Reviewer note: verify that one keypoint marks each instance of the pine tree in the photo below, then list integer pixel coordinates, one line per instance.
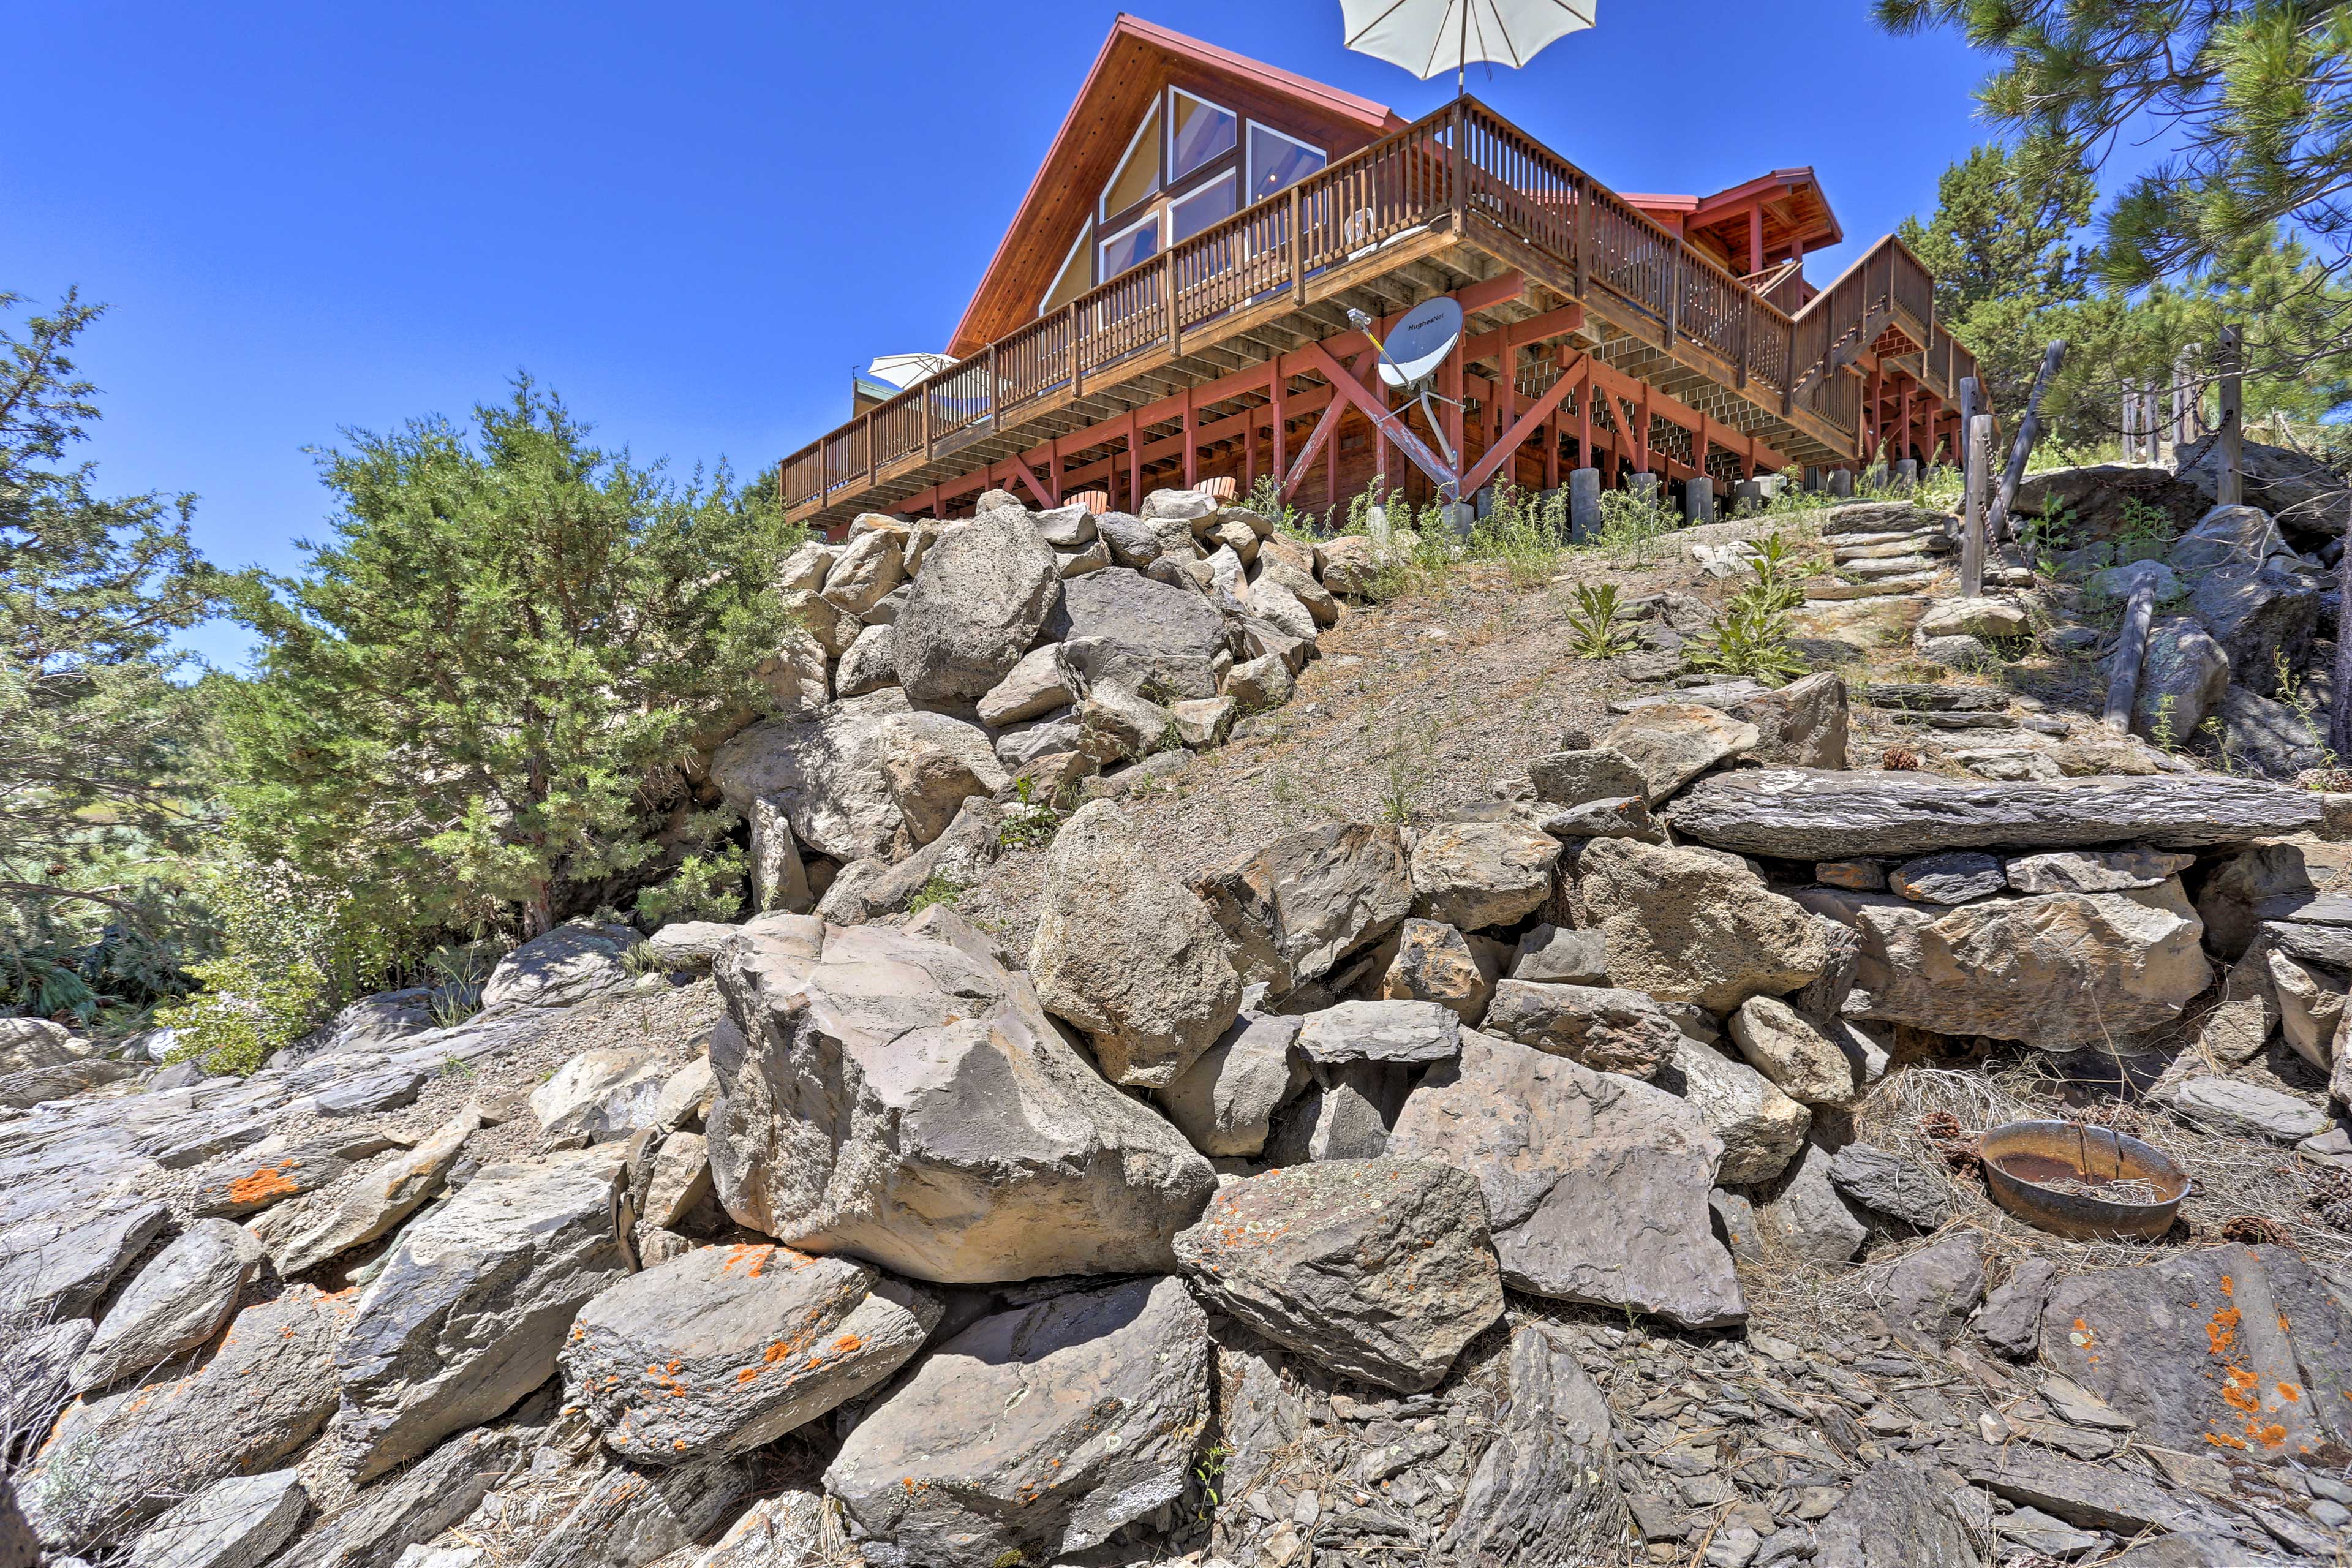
(474, 700)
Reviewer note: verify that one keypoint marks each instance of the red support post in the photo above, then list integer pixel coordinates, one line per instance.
(1191, 447)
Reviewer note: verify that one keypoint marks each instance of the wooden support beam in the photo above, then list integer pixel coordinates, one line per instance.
(1511, 439)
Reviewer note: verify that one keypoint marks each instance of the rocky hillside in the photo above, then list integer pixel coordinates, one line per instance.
(1256, 1052)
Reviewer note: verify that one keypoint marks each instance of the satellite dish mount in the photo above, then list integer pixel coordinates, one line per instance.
(1416, 350)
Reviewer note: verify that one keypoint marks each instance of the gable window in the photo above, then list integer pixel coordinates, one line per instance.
(1074, 279)
(1139, 172)
(1277, 162)
(1198, 131)
(1212, 202)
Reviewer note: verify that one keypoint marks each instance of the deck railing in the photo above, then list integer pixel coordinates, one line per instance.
(1350, 209)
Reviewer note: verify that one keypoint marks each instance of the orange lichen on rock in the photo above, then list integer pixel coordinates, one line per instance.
(264, 1184)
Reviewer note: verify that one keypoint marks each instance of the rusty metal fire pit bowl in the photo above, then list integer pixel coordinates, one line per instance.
(2086, 1183)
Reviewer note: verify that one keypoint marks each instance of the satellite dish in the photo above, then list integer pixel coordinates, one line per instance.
(1420, 342)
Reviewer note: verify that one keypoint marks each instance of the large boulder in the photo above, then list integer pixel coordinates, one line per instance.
(2239, 1350)
(1545, 1492)
(1810, 815)
(566, 965)
(2182, 674)
(1798, 1055)
(1607, 1028)
(114, 1462)
(2263, 616)
(2299, 490)
(58, 1265)
(1596, 1185)
(727, 1347)
(29, 1043)
(1689, 926)
(2055, 970)
(1589, 774)
(1435, 963)
(976, 606)
(238, 1522)
(1224, 1102)
(1807, 1217)
(2268, 737)
(2227, 536)
(1898, 1511)
(1293, 909)
(906, 1100)
(836, 777)
(1033, 1434)
(1672, 743)
(1397, 1034)
(1377, 1269)
(473, 1303)
(1761, 1128)
(1122, 628)
(2106, 498)
(1031, 690)
(1127, 954)
(868, 567)
(1473, 874)
(599, 1093)
(175, 1304)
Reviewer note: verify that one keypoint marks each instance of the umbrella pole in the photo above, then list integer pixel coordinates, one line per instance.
(1462, 57)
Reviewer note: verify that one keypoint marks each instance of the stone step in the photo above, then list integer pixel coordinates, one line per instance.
(1831, 588)
(1889, 566)
(1908, 544)
(1923, 696)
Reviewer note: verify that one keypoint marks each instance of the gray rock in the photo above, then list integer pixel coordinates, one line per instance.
(1672, 743)
(1735, 1222)
(1888, 1184)
(1127, 954)
(1574, 778)
(906, 1100)
(1544, 1493)
(2298, 490)
(1926, 1297)
(2208, 1350)
(1224, 1102)
(2094, 871)
(983, 593)
(1026, 741)
(2011, 1320)
(1122, 628)
(1808, 814)
(1954, 877)
(1761, 1129)
(870, 565)
(725, 1348)
(58, 1267)
(239, 1521)
(1551, 955)
(473, 1303)
(778, 878)
(688, 945)
(1896, 1513)
(29, 1043)
(1032, 688)
(1259, 683)
(1344, 1115)
(1376, 1269)
(117, 1461)
(1410, 1032)
(2098, 1496)
(567, 965)
(2119, 582)
(325, 1223)
(36, 1372)
(1597, 1185)
(1624, 817)
(1687, 926)
(824, 775)
(2183, 673)
(1293, 909)
(1035, 1433)
(1807, 1217)
(871, 663)
(1606, 1028)
(632, 1516)
(2269, 737)
(1132, 540)
(1798, 1055)
(600, 1094)
(2058, 970)
(2039, 1532)
(2260, 616)
(2227, 536)
(382, 1521)
(787, 1529)
(1064, 526)
(184, 1296)
(1473, 874)
(1435, 963)
(2235, 1108)
(933, 763)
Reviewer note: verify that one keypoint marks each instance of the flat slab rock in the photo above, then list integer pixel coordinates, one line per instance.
(1596, 1185)
(1035, 1433)
(726, 1348)
(1802, 814)
(1377, 1269)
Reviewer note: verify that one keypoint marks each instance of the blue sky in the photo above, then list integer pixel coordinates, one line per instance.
(692, 219)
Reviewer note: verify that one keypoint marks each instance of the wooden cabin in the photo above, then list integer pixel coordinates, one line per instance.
(1173, 302)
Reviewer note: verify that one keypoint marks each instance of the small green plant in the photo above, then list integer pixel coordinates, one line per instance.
(1407, 768)
(2297, 698)
(1029, 823)
(1594, 629)
(1631, 526)
(937, 891)
(1750, 637)
(457, 1067)
(2159, 733)
(1779, 572)
(1209, 1471)
(637, 959)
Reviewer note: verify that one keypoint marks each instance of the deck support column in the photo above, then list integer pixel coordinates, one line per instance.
(1134, 463)
(1583, 504)
(1281, 426)
(1191, 446)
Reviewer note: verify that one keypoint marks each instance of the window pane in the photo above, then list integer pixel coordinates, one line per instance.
(1277, 161)
(1073, 281)
(1138, 244)
(1139, 175)
(1204, 207)
(1202, 131)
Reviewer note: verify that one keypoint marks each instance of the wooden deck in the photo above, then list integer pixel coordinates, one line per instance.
(1587, 319)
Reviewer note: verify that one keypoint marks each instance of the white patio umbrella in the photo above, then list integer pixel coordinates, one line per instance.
(903, 371)
(1424, 36)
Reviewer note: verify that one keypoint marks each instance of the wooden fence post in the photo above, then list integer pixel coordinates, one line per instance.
(1298, 252)
(1979, 484)
(2229, 486)
(2028, 431)
(2131, 647)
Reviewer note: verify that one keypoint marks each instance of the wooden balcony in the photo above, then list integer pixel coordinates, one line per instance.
(1455, 200)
